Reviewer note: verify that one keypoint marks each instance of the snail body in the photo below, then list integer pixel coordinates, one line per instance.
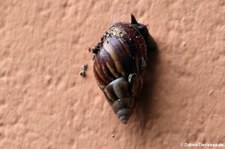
(120, 59)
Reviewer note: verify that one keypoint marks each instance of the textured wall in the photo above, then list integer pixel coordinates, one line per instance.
(45, 104)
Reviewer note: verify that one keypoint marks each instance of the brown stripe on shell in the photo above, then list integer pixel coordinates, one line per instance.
(105, 58)
(112, 69)
(123, 55)
(111, 51)
(99, 70)
(101, 84)
(106, 72)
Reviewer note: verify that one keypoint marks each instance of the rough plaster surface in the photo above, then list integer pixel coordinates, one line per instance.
(45, 104)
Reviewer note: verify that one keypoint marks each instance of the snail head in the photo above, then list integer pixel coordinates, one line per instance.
(144, 32)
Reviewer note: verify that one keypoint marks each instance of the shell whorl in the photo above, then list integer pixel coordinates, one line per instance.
(120, 97)
(124, 108)
(124, 114)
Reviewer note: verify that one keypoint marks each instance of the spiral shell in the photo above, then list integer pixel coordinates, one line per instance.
(119, 62)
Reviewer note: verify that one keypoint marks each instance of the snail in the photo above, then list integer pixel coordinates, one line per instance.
(120, 59)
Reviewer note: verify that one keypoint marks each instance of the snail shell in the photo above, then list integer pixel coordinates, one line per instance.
(119, 62)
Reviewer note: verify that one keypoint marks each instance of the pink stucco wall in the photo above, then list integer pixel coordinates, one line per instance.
(45, 104)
